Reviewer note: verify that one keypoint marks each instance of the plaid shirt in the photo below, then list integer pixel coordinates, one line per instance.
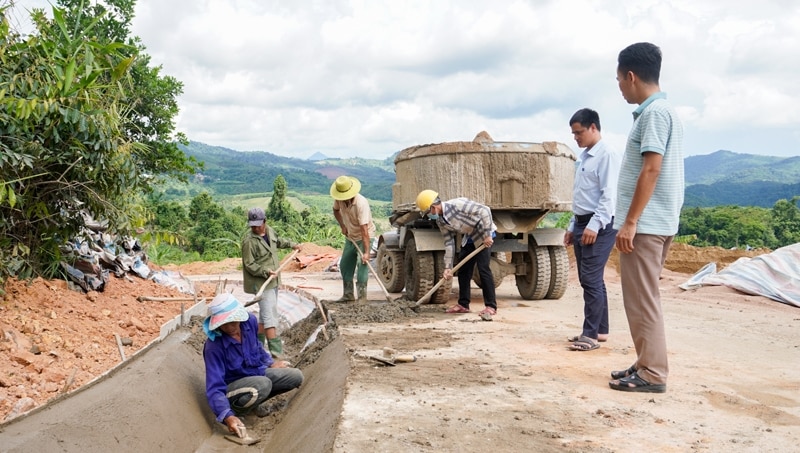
(461, 215)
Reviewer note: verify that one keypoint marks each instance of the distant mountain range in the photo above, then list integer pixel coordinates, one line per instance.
(728, 178)
(720, 178)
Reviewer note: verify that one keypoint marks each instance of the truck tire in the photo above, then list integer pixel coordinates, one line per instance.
(559, 272)
(419, 271)
(495, 266)
(442, 295)
(390, 269)
(535, 284)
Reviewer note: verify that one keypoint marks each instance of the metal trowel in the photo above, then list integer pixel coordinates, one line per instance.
(241, 437)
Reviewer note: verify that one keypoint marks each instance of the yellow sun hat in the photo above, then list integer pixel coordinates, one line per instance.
(345, 188)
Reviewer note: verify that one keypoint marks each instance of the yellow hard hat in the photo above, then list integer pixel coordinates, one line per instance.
(425, 199)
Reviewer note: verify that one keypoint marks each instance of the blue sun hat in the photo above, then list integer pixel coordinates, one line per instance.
(224, 308)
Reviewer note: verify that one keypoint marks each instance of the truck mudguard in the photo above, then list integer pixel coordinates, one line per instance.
(548, 236)
(428, 240)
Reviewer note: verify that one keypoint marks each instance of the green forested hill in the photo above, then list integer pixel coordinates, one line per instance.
(720, 165)
(758, 193)
(229, 172)
(728, 178)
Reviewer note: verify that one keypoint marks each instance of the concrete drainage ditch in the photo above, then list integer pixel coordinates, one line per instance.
(155, 400)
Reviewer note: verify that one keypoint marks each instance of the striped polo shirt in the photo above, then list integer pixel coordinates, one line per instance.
(656, 128)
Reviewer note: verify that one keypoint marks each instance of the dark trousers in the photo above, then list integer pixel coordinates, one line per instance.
(591, 260)
(247, 393)
(465, 276)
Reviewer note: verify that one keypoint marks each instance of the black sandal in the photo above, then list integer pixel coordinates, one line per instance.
(634, 383)
(623, 373)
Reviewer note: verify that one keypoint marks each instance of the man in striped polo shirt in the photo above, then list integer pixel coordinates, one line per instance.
(649, 200)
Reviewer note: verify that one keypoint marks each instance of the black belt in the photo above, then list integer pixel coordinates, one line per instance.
(583, 218)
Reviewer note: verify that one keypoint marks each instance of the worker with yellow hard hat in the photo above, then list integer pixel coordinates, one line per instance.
(474, 221)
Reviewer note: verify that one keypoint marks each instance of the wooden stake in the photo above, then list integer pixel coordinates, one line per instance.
(119, 345)
(165, 299)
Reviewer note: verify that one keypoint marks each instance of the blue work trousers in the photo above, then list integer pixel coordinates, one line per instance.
(591, 261)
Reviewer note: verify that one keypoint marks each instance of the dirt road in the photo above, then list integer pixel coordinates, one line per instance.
(503, 386)
(512, 384)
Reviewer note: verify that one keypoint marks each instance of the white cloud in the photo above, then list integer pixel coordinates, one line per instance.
(371, 77)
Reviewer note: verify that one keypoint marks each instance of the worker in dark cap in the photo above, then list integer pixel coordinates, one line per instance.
(259, 261)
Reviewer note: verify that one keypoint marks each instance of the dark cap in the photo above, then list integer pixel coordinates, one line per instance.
(255, 217)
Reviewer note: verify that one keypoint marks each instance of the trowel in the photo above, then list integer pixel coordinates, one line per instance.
(241, 437)
(391, 358)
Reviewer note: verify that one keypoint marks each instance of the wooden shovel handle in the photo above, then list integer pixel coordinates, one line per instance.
(283, 264)
(372, 269)
(455, 268)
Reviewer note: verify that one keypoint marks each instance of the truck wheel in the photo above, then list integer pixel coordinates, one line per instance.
(559, 272)
(442, 295)
(535, 284)
(419, 271)
(390, 269)
(495, 266)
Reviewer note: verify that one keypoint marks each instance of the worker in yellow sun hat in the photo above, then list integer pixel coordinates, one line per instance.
(353, 214)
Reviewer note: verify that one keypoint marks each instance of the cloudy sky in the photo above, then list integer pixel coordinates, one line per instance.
(371, 77)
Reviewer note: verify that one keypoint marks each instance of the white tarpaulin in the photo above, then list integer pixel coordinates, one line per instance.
(775, 275)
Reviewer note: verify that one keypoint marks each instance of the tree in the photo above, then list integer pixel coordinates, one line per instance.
(215, 233)
(279, 209)
(80, 134)
(63, 156)
(786, 221)
(150, 97)
(728, 226)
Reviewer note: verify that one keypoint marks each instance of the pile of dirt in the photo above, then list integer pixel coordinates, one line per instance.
(318, 258)
(688, 259)
(207, 267)
(54, 339)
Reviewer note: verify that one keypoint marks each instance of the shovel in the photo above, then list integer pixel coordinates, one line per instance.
(377, 277)
(257, 297)
(427, 295)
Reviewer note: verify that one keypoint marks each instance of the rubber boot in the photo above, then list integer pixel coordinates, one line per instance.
(275, 347)
(348, 295)
(362, 292)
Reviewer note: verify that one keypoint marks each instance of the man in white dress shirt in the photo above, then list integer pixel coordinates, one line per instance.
(591, 230)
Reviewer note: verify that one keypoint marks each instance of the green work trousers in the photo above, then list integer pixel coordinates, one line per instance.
(350, 260)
